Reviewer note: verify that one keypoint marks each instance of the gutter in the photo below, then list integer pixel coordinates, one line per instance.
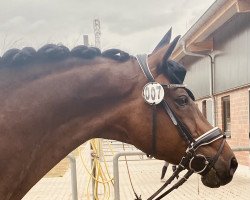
(212, 19)
(203, 19)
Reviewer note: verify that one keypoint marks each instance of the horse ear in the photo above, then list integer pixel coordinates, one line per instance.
(158, 58)
(165, 40)
(171, 49)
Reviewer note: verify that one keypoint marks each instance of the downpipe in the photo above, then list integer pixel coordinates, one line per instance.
(211, 79)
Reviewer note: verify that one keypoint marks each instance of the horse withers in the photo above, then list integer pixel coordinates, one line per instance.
(53, 100)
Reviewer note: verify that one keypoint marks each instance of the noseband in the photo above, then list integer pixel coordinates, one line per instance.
(193, 162)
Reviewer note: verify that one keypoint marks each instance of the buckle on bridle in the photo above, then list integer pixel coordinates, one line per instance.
(198, 163)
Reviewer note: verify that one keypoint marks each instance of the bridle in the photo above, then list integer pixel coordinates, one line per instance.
(190, 160)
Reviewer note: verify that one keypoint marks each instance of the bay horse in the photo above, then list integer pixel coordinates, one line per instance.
(52, 100)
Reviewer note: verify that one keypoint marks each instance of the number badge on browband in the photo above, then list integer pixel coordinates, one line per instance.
(153, 93)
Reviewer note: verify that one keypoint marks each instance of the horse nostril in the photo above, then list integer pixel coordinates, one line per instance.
(233, 166)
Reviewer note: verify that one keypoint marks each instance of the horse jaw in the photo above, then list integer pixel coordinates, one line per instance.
(212, 180)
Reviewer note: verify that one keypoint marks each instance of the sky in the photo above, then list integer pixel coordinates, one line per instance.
(135, 26)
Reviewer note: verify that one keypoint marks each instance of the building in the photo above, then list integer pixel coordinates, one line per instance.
(216, 52)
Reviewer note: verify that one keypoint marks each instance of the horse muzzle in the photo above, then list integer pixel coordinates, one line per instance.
(221, 174)
(214, 170)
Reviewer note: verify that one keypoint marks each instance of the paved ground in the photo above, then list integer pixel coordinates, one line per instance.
(145, 175)
(146, 179)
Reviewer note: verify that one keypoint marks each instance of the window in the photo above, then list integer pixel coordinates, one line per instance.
(204, 108)
(226, 117)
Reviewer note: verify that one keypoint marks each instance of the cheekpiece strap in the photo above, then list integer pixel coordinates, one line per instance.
(169, 112)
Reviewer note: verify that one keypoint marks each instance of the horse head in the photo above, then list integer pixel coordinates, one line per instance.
(179, 129)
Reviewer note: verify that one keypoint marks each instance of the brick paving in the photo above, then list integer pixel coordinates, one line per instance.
(145, 176)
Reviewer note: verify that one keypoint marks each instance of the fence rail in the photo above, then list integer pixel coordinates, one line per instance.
(116, 166)
(116, 170)
(241, 149)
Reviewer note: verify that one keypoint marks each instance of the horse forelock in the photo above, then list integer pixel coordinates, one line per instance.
(174, 71)
(53, 53)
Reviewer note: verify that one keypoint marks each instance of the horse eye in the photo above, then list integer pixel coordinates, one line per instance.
(182, 101)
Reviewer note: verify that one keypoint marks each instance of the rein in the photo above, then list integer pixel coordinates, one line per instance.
(190, 158)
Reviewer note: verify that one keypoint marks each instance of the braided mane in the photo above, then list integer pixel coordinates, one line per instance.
(53, 52)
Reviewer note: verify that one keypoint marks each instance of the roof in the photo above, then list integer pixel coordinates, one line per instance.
(197, 37)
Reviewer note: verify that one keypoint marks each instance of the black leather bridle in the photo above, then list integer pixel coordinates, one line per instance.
(193, 162)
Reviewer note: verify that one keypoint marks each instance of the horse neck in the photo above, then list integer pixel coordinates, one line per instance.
(47, 117)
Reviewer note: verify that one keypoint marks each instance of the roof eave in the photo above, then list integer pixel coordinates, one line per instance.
(216, 15)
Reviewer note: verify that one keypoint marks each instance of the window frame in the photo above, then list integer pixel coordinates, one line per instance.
(226, 115)
(249, 113)
(204, 108)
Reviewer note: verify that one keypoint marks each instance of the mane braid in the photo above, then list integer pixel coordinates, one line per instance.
(53, 52)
